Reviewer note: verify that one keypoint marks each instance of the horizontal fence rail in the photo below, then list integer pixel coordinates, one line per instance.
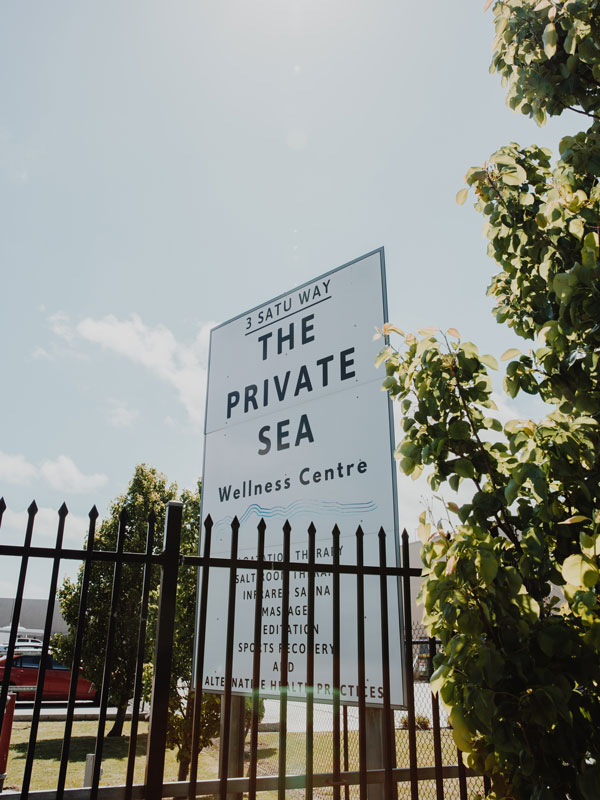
(365, 752)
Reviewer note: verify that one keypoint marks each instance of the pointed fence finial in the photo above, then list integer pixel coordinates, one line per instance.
(63, 511)
(33, 509)
(93, 515)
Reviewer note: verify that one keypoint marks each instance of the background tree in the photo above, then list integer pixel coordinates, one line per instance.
(147, 492)
(511, 588)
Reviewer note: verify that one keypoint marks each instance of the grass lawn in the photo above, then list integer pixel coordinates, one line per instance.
(50, 736)
(114, 761)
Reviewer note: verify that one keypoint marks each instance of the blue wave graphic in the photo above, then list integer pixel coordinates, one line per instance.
(313, 508)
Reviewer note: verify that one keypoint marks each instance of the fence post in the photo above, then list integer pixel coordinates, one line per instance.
(376, 742)
(163, 656)
(408, 666)
(235, 740)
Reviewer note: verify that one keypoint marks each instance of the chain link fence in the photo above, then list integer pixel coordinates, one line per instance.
(268, 738)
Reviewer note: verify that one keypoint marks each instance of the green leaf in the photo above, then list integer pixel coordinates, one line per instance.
(492, 424)
(546, 642)
(461, 196)
(511, 491)
(454, 482)
(438, 678)
(561, 286)
(590, 545)
(488, 566)
(570, 44)
(460, 731)
(489, 361)
(511, 353)
(459, 430)
(576, 228)
(550, 40)
(580, 571)
(511, 386)
(383, 356)
(504, 158)
(573, 520)
(514, 176)
(529, 606)
(469, 348)
(464, 468)
(424, 532)
(590, 242)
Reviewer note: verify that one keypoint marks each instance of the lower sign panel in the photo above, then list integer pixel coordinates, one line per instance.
(271, 609)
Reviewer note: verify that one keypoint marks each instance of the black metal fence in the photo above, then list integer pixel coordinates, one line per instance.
(392, 754)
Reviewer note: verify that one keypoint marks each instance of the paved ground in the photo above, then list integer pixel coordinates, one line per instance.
(55, 712)
(323, 713)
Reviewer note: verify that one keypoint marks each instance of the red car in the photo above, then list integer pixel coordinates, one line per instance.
(57, 679)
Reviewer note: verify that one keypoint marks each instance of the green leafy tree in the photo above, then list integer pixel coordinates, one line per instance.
(512, 585)
(147, 492)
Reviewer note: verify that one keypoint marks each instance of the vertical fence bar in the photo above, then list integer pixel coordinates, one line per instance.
(2, 509)
(487, 785)
(437, 735)
(163, 654)
(462, 777)
(283, 667)
(200, 652)
(226, 700)
(410, 685)
(389, 739)
(110, 636)
(310, 664)
(336, 661)
(31, 512)
(346, 750)
(256, 657)
(139, 662)
(39, 692)
(85, 582)
(360, 619)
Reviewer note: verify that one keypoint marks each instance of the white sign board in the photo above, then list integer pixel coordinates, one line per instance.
(297, 428)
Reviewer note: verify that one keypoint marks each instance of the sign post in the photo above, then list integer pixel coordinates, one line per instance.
(297, 428)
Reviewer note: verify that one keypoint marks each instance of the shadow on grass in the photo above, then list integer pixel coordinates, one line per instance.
(51, 749)
(266, 752)
(114, 747)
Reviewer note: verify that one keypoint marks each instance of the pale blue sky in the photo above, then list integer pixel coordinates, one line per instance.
(165, 166)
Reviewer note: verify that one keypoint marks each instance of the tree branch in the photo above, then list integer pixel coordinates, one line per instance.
(581, 111)
(503, 524)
